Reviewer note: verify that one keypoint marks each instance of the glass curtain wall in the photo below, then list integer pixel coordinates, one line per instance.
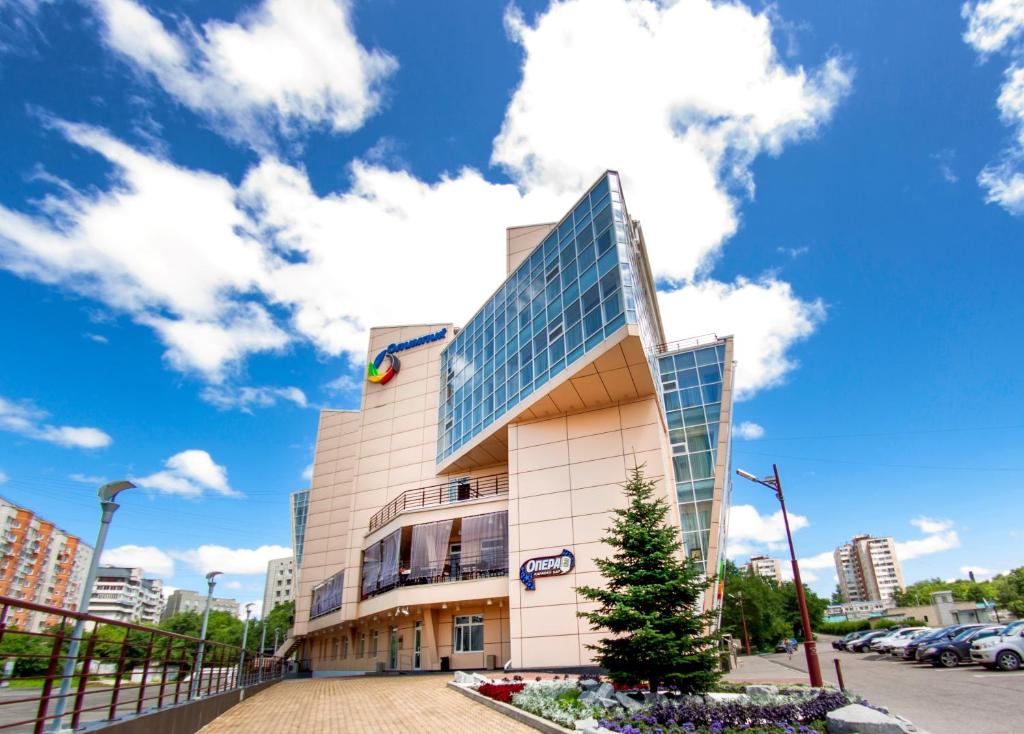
(691, 387)
(576, 288)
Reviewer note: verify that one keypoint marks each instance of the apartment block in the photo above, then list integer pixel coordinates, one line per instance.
(278, 587)
(453, 514)
(868, 569)
(40, 563)
(182, 600)
(125, 595)
(765, 567)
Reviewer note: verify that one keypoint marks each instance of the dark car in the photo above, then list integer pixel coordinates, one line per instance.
(949, 653)
(840, 642)
(946, 633)
(862, 643)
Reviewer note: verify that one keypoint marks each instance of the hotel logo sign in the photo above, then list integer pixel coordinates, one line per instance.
(385, 365)
(534, 568)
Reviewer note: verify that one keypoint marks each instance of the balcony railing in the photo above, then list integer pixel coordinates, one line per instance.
(487, 565)
(441, 494)
(694, 341)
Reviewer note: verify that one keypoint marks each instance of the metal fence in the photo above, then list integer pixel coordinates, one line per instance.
(459, 490)
(122, 669)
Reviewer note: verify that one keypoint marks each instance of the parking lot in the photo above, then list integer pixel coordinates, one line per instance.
(937, 700)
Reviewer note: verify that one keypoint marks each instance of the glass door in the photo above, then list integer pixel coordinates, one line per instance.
(417, 638)
(393, 649)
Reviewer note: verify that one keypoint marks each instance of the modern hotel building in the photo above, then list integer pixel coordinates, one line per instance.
(452, 516)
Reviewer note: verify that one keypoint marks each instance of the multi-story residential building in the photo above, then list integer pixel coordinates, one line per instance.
(278, 587)
(868, 569)
(769, 568)
(40, 563)
(182, 600)
(125, 595)
(452, 516)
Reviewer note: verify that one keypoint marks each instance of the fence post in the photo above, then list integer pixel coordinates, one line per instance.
(839, 674)
(55, 657)
(145, 673)
(116, 693)
(181, 672)
(83, 678)
(163, 674)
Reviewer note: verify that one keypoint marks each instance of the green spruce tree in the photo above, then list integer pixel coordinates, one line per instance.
(649, 602)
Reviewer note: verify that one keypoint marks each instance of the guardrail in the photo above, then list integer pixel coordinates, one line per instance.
(440, 494)
(693, 341)
(123, 669)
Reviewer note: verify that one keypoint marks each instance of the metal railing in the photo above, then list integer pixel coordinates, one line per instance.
(440, 494)
(450, 569)
(123, 669)
(693, 341)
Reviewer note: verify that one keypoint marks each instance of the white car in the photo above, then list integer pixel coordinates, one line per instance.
(1005, 651)
(884, 644)
(896, 647)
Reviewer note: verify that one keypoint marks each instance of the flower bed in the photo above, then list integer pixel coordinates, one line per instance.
(500, 691)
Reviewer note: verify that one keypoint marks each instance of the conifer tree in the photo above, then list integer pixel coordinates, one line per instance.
(649, 601)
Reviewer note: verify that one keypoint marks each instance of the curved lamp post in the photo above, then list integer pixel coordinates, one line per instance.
(245, 635)
(810, 648)
(210, 583)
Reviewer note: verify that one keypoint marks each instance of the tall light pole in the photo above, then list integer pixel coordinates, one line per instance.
(743, 620)
(774, 483)
(210, 583)
(263, 635)
(107, 494)
(245, 636)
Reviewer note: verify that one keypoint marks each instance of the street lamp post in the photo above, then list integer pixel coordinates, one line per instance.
(107, 494)
(774, 483)
(210, 583)
(743, 620)
(245, 636)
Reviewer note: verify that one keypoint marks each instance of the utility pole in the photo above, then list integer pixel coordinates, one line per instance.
(743, 620)
(197, 683)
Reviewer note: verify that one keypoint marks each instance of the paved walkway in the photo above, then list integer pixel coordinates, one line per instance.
(392, 705)
(758, 669)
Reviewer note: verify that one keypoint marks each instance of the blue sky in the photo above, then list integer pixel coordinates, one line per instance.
(206, 205)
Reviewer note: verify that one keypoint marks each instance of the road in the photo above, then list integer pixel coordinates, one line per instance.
(937, 700)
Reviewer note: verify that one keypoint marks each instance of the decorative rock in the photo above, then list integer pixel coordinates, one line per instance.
(605, 690)
(588, 697)
(728, 697)
(628, 702)
(480, 679)
(464, 679)
(608, 703)
(857, 719)
(762, 690)
(588, 684)
(586, 724)
(654, 699)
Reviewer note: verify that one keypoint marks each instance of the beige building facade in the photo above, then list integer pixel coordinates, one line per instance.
(765, 567)
(452, 516)
(869, 570)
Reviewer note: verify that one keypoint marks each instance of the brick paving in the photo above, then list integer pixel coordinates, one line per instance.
(370, 705)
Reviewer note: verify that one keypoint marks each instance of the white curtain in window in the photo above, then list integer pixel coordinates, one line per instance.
(371, 568)
(485, 541)
(429, 547)
(389, 559)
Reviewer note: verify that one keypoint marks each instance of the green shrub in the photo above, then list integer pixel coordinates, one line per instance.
(843, 628)
(908, 622)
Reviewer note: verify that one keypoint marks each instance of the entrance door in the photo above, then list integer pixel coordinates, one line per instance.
(417, 638)
(393, 649)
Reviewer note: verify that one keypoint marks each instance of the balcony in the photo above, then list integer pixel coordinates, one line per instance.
(441, 494)
(449, 571)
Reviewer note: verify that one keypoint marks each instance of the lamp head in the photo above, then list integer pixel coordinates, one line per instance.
(210, 577)
(108, 492)
(248, 608)
(747, 475)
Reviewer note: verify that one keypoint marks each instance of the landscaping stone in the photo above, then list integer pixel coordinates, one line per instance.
(588, 684)
(464, 679)
(608, 703)
(588, 697)
(762, 690)
(480, 679)
(858, 719)
(628, 702)
(586, 724)
(728, 697)
(654, 699)
(605, 690)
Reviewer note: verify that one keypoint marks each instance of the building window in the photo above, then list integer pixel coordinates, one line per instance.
(469, 633)
(344, 647)
(334, 648)
(374, 640)
(361, 649)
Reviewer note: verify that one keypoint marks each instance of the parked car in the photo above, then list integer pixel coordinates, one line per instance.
(840, 642)
(950, 635)
(898, 646)
(883, 644)
(1004, 651)
(949, 653)
(861, 643)
(910, 651)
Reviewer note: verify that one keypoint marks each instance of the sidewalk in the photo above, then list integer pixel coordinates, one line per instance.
(758, 669)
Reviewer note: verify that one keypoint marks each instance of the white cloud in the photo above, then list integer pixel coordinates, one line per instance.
(227, 271)
(93, 479)
(809, 567)
(98, 338)
(3, 477)
(246, 398)
(342, 385)
(147, 557)
(307, 473)
(233, 585)
(979, 571)
(238, 561)
(26, 420)
(765, 317)
(748, 526)
(995, 26)
(928, 526)
(190, 474)
(749, 431)
(286, 64)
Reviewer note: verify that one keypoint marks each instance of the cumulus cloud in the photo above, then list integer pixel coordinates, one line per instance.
(147, 557)
(26, 420)
(191, 474)
(307, 473)
(939, 536)
(750, 531)
(288, 64)
(237, 561)
(94, 479)
(245, 398)
(997, 26)
(3, 477)
(929, 526)
(749, 431)
(230, 270)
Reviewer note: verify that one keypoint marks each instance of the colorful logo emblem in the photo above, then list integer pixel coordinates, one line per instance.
(558, 565)
(377, 373)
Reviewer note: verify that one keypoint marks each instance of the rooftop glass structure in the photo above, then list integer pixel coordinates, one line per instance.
(691, 390)
(575, 289)
(300, 511)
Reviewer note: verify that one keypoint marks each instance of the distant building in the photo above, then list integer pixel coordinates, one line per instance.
(868, 569)
(39, 563)
(769, 568)
(278, 589)
(123, 594)
(182, 600)
(854, 610)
